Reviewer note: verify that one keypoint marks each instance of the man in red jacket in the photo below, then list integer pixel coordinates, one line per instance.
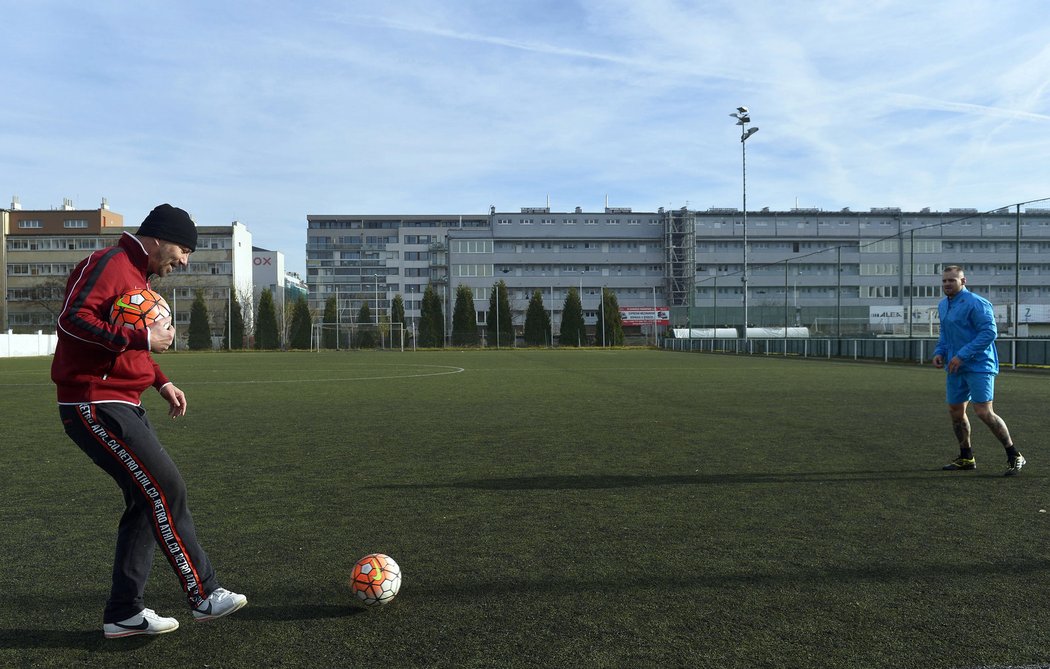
(101, 371)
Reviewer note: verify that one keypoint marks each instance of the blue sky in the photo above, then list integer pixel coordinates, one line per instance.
(267, 111)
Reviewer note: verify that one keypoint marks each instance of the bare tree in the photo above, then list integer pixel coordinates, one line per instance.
(48, 295)
(247, 300)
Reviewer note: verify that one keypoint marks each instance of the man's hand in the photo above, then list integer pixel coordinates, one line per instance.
(938, 361)
(176, 400)
(954, 364)
(161, 335)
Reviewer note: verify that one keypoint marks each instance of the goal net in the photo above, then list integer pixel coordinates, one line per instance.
(361, 336)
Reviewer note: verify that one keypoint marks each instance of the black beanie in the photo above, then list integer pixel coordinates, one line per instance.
(170, 224)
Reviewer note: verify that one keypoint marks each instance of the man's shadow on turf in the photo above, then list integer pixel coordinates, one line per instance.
(93, 640)
(602, 481)
(304, 611)
(89, 640)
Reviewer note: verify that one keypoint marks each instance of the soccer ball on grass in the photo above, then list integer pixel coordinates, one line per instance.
(376, 579)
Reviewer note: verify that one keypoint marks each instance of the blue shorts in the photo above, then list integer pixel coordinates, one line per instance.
(970, 386)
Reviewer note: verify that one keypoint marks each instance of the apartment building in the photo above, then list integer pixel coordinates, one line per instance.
(221, 269)
(836, 272)
(41, 247)
(867, 272)
(360, 259)
(536, 249)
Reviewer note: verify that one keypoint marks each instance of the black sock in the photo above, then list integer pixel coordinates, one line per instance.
(1011, 452)
(966, 453)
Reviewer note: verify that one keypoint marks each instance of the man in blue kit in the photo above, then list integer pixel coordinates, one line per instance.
(967, 349)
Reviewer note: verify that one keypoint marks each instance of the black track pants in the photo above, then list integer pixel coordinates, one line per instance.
(119, 438)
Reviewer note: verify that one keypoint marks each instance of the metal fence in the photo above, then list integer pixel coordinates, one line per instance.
(1013, 353)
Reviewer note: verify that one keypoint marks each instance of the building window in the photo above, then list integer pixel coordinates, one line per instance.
(75, 223)
(30, 223)
(472, 246)
(471, 270)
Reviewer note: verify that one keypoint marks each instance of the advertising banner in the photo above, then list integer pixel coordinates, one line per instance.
(645, 315)
(1027, 313)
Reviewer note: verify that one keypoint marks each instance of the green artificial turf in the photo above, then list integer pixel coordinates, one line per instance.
(627, 508)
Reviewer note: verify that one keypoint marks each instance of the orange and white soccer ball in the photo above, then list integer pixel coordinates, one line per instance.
(139, 308)
(376, 579)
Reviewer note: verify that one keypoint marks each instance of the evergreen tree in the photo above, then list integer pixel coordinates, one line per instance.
(200, 329)
(431, 320)
(397, 315)
(397, 310)
(537, 322)
(366, 329)
(266, 323)
(609, 314)
(573, 329)
(464, 318)
(233, 333)
(330, 321)
(499, 317)
(302, 325)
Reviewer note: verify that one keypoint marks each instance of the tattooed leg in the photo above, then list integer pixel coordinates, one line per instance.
(962, 431)
(994, 422)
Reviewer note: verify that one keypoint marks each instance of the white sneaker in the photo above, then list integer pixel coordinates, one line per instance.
(219, 603)
(1014, 465)
(145, 621)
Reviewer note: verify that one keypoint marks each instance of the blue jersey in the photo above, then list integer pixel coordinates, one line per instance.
(968, 331)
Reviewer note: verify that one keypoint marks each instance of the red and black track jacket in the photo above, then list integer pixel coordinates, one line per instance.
(96, 361)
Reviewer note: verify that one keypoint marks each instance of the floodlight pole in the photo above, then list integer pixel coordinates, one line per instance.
(377, 311)
(579, 335)
(655, 343)
(377, 294)
(552, 316)
(603, 316)
(174, 311)
(743, 118)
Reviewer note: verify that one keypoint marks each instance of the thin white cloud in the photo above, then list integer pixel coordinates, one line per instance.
(917, 102)
(535, 47)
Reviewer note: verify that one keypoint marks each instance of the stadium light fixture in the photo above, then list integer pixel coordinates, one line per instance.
(743, 117)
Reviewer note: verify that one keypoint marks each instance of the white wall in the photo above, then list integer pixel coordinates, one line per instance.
(243, 271)
(268, 272)
(19, 345)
